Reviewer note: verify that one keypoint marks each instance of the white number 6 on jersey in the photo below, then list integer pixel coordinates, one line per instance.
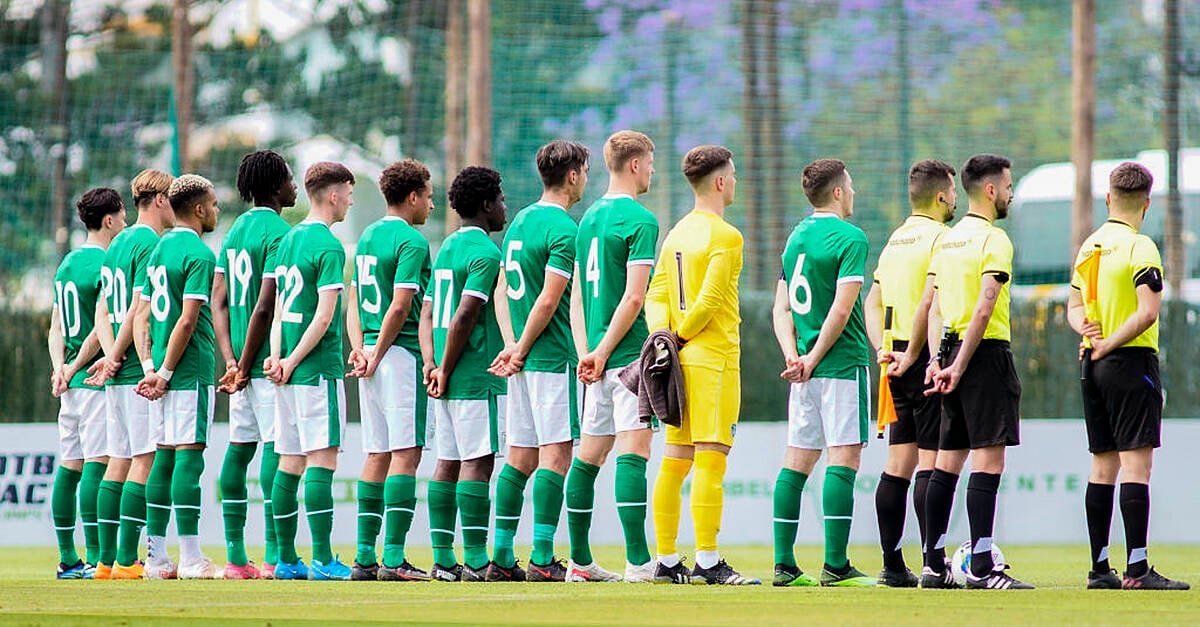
(798, 283)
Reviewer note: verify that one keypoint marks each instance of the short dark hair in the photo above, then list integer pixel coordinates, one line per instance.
(703, 160)
(323, 174)
(981, 167)
(820, 177)
(927, 178)
(186, 191)
(1131, 179)
(558, 158)
(472, 188)
(260, 175)
(96, 203)
(402, 178)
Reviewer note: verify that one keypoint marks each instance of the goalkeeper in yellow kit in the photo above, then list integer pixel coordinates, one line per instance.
(694, 293)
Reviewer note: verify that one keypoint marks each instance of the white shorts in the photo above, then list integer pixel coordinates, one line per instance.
(187, 415)
(252, 412)
(392, 403)
(81, 429)
(609, 407)
(309, 417)
(543, 408)
(134, 425)
(828, 412)
(467, 429)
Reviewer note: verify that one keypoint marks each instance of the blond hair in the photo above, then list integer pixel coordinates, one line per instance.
(187, 190)
(624, 146)
(148, 184)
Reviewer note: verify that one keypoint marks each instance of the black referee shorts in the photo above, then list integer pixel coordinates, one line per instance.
(984, 409)
(918, 416)
(1122, 400)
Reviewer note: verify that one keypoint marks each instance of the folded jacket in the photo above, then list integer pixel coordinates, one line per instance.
(657, 379)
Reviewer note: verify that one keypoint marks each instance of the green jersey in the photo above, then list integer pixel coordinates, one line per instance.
(309, 261)
(180, 269)
(246, 258)
(77, 285)
(124, 267)
(615, 233)
(541, 239)
(467, 265)
(823, 252)
(391, 255)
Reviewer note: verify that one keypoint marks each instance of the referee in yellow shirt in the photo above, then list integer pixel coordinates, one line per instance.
(977, 379)
(694, 293)
(1117, 290)
(902, 285)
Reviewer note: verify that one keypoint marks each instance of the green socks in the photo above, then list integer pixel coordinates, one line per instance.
(158, 493)
(370, 519)
(185, 490)
(581, 496)
(789, 486)
(631, 506)
(133, 518)
(266, 483)
(89, 493)
(443, 508)
(285, 515)
(837, 499)
(62, 511)
(547, 507)
(400, 503)
(473, 507)
(510, 497)
(318, 504)
(108, 517)
(234, 500)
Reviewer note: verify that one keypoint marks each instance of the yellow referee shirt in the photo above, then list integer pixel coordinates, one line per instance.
(1126, 256)
(903, 267)
(972, 248)
(695, 289)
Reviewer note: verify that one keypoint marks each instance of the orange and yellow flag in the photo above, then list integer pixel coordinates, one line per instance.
(887, 407)
(1089, 270)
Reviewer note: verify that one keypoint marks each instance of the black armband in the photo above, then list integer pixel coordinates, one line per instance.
(1001, 277)
(1150, 277)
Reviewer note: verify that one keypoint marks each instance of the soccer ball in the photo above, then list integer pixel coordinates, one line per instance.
(960, 564)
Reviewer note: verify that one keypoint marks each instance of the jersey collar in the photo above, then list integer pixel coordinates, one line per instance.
(616, 196)
(184, 229)
(920, 216)
(464, 229)
(976, 215)
(91, 245)
(1122, 223)
(547, 203)
(824, 214)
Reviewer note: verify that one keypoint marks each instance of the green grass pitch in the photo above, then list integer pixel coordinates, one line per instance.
(29, 595)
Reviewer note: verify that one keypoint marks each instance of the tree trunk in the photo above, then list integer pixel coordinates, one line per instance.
(479, 76)
(181, 60)
(774, 157)
(1083, 115)
(1173, 228)
(54, 25)
(456, 75)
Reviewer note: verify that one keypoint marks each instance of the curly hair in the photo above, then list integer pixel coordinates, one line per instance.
(261, 174)
(472, 188)
(97, 203)
(402, 178)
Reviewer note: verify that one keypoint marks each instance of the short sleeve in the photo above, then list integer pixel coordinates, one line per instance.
(270, 253)
(410, 260)
(141, 259)
(198, 278)
(222, 267)
(482, 271)
(329, 270)
(852, 266)
(997, 255)
(1144, 255)
(642, 238)
(561, 259)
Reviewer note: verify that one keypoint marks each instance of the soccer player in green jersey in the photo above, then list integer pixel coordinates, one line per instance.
(539, 359)
(73, 347)
(614, 254)
(177, 287)
(129, 487)
(391, 267)
(819, 325)
(306, 364)
(459, 339)
(243, 295)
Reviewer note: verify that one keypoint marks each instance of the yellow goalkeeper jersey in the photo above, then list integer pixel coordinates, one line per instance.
(695, 290)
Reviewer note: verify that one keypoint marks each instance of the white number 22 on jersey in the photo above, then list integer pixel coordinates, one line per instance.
(799, 283)
(293, 283)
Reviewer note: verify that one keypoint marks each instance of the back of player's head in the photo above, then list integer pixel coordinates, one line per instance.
(624, 146)
(148, 184)
(702, 161)
(1129, 185)
(558, 159)
(260, 175)
(97, 203)
(325, 174)
(187, 191)
(820, 177)
(926, 179)
(474, 187)
(402, 178)
(979, 168)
